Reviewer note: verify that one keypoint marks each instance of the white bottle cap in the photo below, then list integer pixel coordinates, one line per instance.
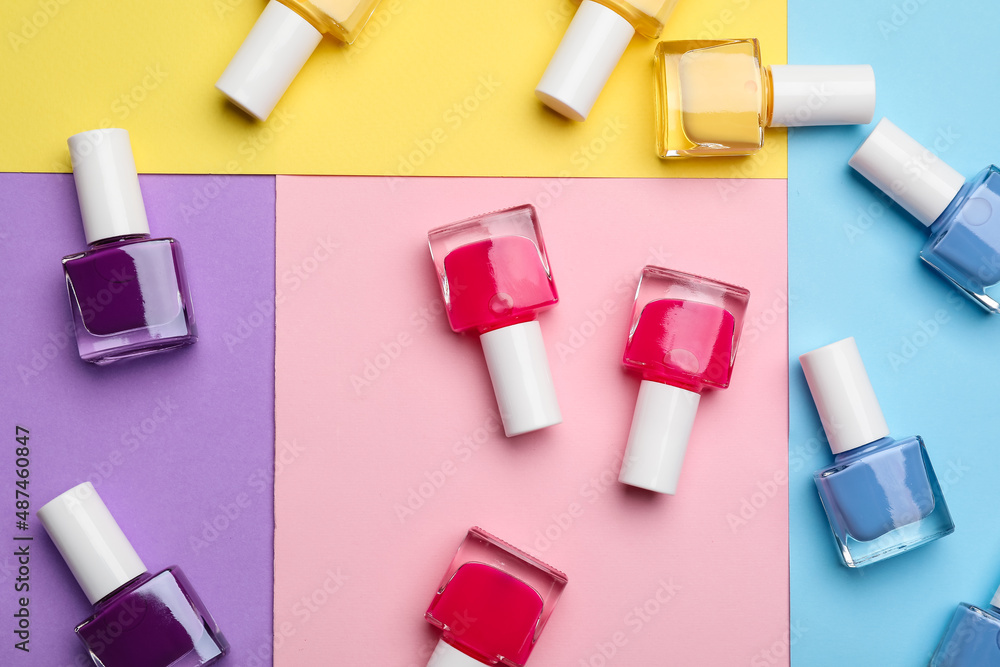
(586, 57)
(90, 541)
(917, 179)
(272, 54)
(844, 396)
(446, 655)
(658, 439)
(107, 184)
(807, 95)
(519, 369)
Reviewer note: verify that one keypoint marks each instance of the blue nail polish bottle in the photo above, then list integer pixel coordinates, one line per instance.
(972, 639)
(963, 218)
(881, 495)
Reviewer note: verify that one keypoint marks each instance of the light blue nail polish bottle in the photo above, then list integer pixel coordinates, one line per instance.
(963, 219)
(881, 495)
(972, 639)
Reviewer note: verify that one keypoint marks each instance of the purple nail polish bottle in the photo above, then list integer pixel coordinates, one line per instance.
(128, 292)
(153, 620)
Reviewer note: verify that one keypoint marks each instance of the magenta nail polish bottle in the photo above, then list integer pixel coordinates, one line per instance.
(683, 339)
(152, 620)
(127, 291)
(492, 604)
(495, 279)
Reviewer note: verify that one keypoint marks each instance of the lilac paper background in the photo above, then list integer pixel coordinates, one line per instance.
(216, 445)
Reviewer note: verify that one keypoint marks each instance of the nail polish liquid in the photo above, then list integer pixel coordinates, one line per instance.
(962, 218)
(495, 279)
(153, 620)
(492, 604)
(128, 292)
(881, 495)
(683, 339)
(972, 638)
(714, 98)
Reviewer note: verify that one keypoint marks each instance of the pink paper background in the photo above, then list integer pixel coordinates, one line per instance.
(653, 579)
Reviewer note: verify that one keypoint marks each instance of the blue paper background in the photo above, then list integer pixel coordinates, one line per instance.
(932, 356)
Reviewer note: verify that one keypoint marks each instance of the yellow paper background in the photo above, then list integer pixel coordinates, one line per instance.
(432, 87)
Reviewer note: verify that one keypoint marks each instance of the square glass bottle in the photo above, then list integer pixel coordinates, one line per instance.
(127, 292)
(714, 98)
(492, 604)
(153, 620)
(881, 495)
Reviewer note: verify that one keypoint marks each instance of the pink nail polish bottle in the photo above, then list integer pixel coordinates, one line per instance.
(495, 279)
(492, 604)
(682, 339)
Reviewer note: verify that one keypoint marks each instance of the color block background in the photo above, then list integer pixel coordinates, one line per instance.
(180, 445)
(431, 88)
(932, 356)
(389, 447)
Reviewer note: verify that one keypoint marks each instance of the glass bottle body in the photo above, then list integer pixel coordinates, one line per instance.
(493, 270)
(494, 600)
(685, 329)
(883, 499)
(713, 98)
(129, 298)
(972, 639)
(155, 621)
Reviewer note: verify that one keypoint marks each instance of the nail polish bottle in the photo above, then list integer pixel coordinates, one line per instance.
(153, 620)
(713, 97)
(492, 604)
(972, 638)
(591, 48)
(127, 291)
(280, 43)
(495, 279)
(881, 495)
(963, 219)
(682, 339)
